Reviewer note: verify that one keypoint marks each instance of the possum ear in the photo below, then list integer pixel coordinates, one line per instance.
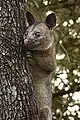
(51, 21)
(30, 18)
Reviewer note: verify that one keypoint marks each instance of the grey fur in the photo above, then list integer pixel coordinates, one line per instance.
(39, 39)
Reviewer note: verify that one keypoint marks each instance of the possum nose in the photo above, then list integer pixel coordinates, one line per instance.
(26, 41)
(27, 44)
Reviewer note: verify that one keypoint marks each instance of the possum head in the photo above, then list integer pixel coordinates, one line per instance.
(38, 35)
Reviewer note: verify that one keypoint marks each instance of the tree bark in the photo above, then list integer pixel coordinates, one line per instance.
(17, 96)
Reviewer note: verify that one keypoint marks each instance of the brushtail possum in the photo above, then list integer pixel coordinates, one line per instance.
(39, 40)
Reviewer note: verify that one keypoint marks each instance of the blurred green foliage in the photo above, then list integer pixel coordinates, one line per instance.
(66, 82)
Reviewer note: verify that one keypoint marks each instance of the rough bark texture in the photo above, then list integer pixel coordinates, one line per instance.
(17, 98)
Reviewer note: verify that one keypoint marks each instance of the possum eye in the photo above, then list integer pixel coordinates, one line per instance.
(37, 34)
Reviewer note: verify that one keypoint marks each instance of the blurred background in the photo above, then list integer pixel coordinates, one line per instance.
(66, 81)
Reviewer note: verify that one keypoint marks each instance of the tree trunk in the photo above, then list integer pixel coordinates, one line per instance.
(17, 96)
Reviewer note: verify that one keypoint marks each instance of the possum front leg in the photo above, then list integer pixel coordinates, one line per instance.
(45, 113)
(43, 93)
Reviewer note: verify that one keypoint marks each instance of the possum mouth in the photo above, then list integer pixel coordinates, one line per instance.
(27, 44)
(31, 45)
